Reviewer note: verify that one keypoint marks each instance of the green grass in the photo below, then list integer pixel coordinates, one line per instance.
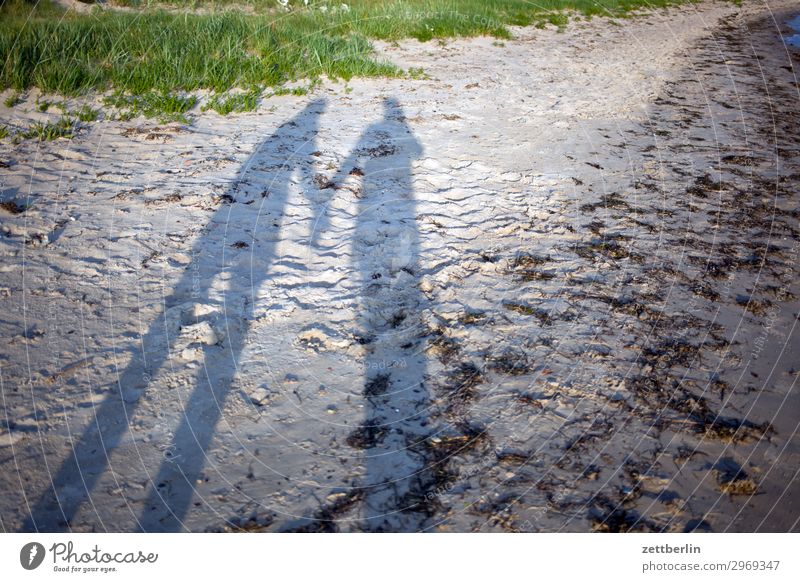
(152, 51)
(64, 127)
(13, 100)
(166, 52)
(161, 104)
(226, 103)
(291, 91)
(417, 73)
(87, 114)
(4, 131)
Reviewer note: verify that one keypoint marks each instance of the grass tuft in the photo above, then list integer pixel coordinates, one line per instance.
(13, 100)
(298, 91)
(161, 104)
(87, 114)
(227, 103)
(64, 127)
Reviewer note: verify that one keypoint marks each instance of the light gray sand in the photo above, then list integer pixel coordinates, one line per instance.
(558, 293)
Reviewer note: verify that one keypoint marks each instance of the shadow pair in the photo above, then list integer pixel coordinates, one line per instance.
(385, 254)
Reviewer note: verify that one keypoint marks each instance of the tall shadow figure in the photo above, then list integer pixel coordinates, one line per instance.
(287, 153)
(386, 254)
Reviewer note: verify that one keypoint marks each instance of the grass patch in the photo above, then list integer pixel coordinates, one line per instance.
(226, 104)
(4, 131)
(87, 114)
(291, 91)
(64, 127)
(418, 74)
(161, 104)
(148, 49)
(137, 53)
(13, 100)
(558, 19)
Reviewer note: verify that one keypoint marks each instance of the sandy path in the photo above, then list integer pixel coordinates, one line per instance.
(553, 287)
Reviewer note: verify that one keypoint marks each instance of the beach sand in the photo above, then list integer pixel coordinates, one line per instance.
(552, 286)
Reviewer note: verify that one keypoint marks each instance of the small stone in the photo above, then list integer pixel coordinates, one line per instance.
(181, 259)
(511, 177)
(259, 396)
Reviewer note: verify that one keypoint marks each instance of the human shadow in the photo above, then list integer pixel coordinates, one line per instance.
(194, 304)
(386, 268)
